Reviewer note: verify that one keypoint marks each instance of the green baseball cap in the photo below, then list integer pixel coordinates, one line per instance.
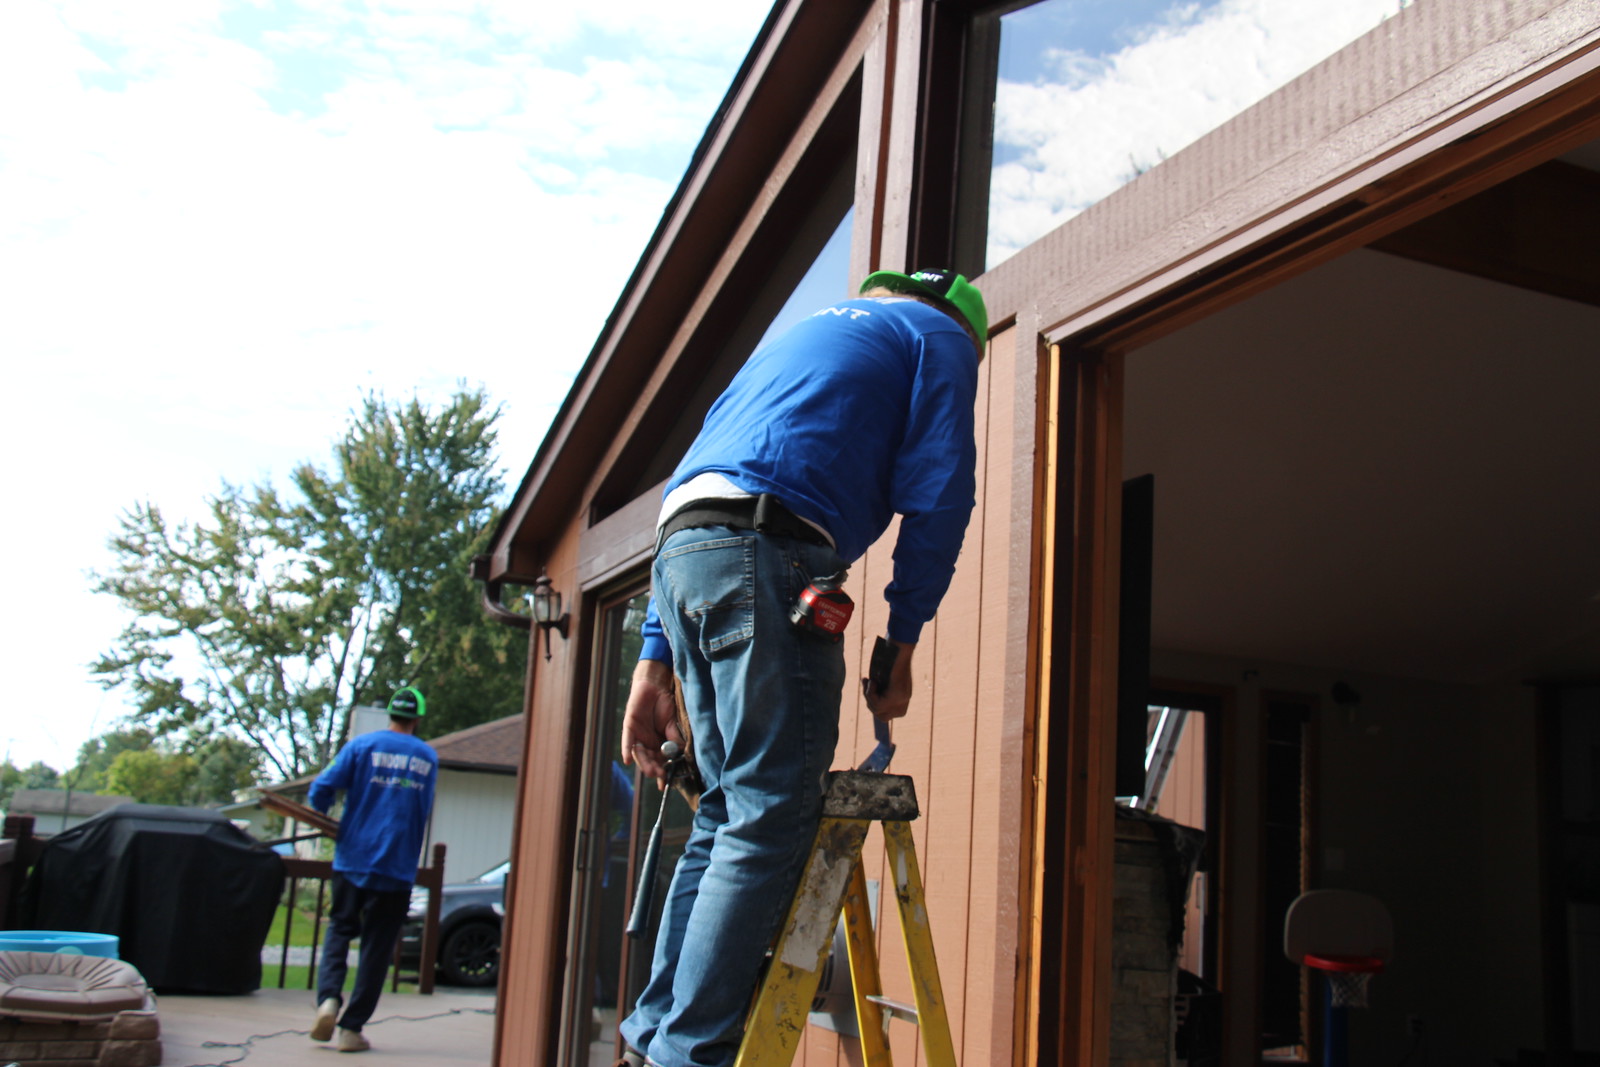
(941, 284)
(408, 703)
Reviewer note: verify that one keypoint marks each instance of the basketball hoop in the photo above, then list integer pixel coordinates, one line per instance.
(1348, 977)
(1347, 936)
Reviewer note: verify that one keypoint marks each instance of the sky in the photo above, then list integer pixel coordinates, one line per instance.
(222, 220)
(1094, 92)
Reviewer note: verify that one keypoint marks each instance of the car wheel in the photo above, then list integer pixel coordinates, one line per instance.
(471, 954)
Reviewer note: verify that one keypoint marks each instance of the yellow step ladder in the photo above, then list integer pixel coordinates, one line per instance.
(832, 880)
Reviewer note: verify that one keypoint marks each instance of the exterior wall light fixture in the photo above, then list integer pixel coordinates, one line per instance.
(547, 613)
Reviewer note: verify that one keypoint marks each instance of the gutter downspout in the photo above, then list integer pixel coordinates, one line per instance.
(491, 597)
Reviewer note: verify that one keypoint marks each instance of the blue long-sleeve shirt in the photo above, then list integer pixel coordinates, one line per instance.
(860, 412)
(388, 778)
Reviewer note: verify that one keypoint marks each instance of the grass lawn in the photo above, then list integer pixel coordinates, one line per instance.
(299, 930)
(295, 975)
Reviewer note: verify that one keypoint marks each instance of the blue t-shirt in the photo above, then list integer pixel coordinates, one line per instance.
(388, 778)
(856, 414)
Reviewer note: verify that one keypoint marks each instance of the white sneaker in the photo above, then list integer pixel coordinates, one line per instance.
(352, 1041)
(327, 1015)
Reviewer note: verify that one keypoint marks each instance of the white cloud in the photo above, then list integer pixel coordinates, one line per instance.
(1068, 142)
(220, 220)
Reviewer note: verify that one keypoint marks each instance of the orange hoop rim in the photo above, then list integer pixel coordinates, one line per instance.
(1344, 964)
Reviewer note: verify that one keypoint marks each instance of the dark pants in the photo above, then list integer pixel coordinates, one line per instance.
(375, 917)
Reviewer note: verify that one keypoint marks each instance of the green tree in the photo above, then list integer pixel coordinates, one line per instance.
(151, 776)
(36, 775)
(95, 756)
(277, 615)
(200, 771)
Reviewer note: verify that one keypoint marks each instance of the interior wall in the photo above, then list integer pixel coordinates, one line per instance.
(1425, 796)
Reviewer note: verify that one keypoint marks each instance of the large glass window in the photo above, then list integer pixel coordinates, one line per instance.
(607, 970)
(1089, 94)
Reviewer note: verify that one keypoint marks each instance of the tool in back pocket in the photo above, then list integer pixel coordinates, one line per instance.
(823, 607)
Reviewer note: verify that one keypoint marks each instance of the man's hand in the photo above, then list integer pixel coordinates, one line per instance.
(651, 717)
(893, 702)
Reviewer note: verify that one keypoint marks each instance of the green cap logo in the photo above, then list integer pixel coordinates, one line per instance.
(408, 703)
(941, 284)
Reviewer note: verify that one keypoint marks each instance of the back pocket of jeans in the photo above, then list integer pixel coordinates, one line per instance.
(715, 583)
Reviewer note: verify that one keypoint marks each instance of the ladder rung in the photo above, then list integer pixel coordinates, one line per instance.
(896, 1008)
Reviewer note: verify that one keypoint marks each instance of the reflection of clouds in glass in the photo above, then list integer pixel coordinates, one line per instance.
(1090, 123)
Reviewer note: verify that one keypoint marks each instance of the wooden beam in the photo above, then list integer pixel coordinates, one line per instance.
(1079, 745)
(1464, 153)
(872, 155)
(1537, 231)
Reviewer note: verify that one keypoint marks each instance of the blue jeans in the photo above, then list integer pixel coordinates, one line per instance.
(763, 704)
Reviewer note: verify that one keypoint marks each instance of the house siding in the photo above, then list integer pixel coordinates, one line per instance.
(1196, 232)
(472, 816)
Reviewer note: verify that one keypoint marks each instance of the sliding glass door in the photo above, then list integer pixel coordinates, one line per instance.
(606, 969)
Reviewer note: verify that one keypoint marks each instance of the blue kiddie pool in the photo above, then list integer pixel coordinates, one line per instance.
(66, 942)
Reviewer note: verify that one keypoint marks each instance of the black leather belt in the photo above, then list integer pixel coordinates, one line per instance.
(764, 514)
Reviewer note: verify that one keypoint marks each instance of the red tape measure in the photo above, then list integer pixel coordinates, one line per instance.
(823, 609)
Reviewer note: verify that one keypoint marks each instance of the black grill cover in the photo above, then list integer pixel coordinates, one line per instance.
(190, 896)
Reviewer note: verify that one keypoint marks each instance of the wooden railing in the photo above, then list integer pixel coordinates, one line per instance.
(19, 851)
(430, 878)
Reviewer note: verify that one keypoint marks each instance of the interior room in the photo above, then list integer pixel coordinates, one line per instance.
(1375, 494)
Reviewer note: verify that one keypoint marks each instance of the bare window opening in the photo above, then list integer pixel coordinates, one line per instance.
(1082, 96)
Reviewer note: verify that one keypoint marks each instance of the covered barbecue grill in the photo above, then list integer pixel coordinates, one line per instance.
(190, 896)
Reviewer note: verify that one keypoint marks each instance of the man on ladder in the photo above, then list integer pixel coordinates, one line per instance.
(861, 411)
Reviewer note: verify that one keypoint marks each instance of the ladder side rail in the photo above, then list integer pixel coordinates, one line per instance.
(778, 1019)
(932, 1019)
(865, 979)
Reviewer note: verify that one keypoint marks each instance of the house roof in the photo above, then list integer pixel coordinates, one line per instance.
(491, 746)
(775, 87)
(495, 747)
(61, 801)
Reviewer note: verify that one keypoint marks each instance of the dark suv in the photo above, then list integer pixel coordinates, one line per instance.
(469, 928)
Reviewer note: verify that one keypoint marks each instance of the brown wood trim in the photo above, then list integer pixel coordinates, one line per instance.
(1078, 754)
(1548, 248)
(508, 922)
(1428, 65)
(745, 161)
(1462, 152)
(900, 141)
(679, 361)
(620, 542)
(534, 933)
(872, 168)
(1029, 989)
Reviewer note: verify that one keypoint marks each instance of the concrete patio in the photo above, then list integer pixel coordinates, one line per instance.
(269, 1028)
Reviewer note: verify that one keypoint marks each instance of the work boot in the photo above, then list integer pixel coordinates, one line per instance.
(327, 1015)
(352, 1041)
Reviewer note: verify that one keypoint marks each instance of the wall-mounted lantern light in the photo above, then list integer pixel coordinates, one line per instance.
(547, 613)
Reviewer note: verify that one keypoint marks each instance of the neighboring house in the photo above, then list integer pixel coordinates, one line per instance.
(1350, 330)
(474, 806)
(55, 810)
